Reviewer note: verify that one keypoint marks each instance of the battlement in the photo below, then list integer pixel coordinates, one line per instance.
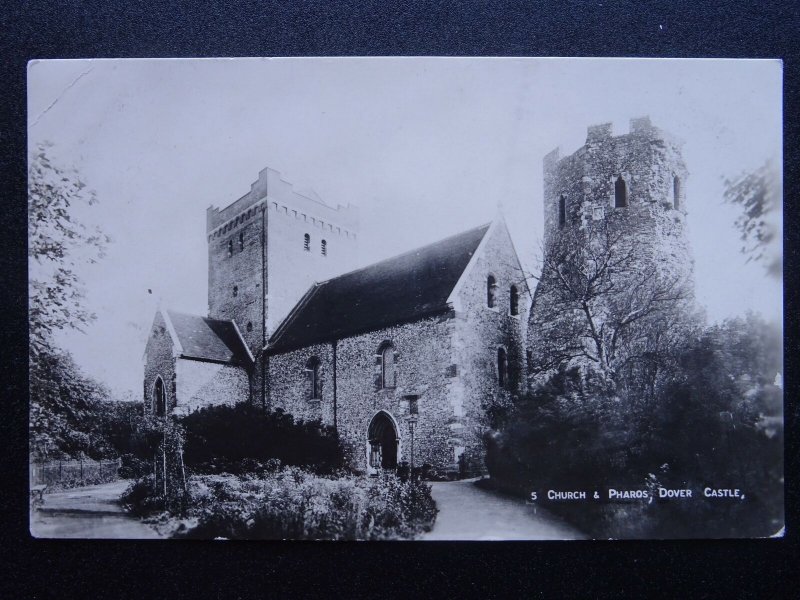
(596, 133)
(272, 190)
(637, 177)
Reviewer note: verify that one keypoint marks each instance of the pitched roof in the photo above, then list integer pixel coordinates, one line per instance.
(396, 290)
(209, 339)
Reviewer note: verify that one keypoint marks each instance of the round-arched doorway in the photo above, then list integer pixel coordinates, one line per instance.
(383, 443)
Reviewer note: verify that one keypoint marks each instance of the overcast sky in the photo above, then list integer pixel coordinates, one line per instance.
(425, 147)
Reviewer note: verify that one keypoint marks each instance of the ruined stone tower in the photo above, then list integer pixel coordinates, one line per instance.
(625, 191)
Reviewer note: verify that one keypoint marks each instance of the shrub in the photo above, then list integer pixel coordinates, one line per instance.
(715, 420)
(223, 439)
(295, 504)
(140, 497)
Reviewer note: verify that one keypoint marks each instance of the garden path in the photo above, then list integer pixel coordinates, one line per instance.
(469, 512)
(88, 512)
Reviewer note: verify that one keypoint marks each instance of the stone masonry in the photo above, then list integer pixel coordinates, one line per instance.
(458, 362)
(582, 197)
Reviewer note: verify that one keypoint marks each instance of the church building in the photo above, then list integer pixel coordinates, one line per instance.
(406, 357)
(410, 357)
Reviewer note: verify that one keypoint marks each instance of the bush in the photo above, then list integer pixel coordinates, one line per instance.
(715, 420)
(223, 439)
(295, 504)
(140, 497)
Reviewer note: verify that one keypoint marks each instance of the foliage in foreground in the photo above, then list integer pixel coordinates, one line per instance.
(291, 503)
(72, 414)
(715, 421)
(225, 438)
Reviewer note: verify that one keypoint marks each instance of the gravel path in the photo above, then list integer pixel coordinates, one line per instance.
(468, 512)
(88, 512)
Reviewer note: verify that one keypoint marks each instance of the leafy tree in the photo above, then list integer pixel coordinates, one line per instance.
(64, 402)
(759, 195)
(716, 421)
(57, 245)
(598, 303)
(64, 409)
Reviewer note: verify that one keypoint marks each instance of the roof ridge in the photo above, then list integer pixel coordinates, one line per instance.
(407, 252)
(281, 329)
(205, 317)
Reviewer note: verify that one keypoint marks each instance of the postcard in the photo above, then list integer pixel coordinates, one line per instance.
(406, 298)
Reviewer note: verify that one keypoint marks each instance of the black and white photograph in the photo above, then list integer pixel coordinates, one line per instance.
(409, 298)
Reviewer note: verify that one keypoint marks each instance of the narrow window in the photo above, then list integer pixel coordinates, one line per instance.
(676, 193)
(159, 400)
(388, 372)
(514, 300)
(312, 372)
(620, 193)
(249, 326)
(324, 248)
(413, 405)
(235, 291)
(307, 243)
(230, 247)
(562, 211)
(502, 368)
(491, 290)
(241, 241)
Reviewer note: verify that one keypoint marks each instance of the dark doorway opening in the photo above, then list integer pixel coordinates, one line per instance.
(383, 441)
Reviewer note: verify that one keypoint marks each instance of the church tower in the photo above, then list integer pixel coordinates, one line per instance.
(267, 248)
(629, 189)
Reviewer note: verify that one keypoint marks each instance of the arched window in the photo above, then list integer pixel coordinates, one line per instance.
(307, 242)
(513, 300)
(312, 373)
(230, 247)
(491, 291)
(241, 241)
(324, 248)
(620, 193)
(502, 368)
(562, 211)
(159, 398)
(387, 371)
(676, 192)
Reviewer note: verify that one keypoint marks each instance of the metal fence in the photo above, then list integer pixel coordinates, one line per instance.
(81, 471)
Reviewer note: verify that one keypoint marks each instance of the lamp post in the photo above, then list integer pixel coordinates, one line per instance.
(412, 420)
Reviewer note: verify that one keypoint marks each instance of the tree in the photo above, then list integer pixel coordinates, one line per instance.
(599, 303)
(65, 407)
(57, 245)
(759, 194)
(63, 400)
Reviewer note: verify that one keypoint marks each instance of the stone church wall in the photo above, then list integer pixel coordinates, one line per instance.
(480, 331)
(200, 384)
(159, 362)
(423, 354)
(289, 386)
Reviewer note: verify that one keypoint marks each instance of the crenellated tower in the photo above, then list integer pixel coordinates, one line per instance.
(267, 248)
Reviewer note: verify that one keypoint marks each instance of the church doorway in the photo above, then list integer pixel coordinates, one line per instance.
(382, 443)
